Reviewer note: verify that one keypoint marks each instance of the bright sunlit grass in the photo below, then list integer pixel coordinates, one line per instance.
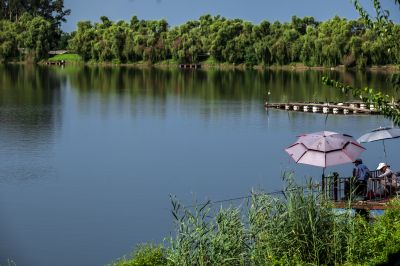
(66, 58)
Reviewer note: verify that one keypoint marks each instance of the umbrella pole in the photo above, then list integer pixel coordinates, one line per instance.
(323, 181)
(384, 149)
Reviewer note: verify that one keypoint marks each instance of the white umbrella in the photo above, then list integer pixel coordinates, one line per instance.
(381, 133)
(324, 149)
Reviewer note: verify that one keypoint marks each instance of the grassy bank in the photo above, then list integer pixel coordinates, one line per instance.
(68, 58)
(213, 64)
(298, 228)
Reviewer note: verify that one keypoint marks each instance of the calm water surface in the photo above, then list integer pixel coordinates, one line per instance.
(90, 156)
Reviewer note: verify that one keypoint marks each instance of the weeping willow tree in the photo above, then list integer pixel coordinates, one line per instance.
(381, 23)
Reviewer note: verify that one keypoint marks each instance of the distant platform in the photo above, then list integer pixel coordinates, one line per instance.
(195, 66)
(60, 62)
(345, 108)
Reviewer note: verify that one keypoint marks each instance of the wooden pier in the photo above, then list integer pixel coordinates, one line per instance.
(326, 108)
(339, 189)
(195, 66)
(58, 63)
(364, 205)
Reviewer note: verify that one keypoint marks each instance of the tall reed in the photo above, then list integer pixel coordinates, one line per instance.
(298, 227)
(202, 239)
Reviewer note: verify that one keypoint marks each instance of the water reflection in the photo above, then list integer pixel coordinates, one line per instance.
(212, 85)
(30, 97)
(34, 100)
(29, 112)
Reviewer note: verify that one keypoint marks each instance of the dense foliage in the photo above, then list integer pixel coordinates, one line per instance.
(300, 228)
(16, 13)
(330, 43)
(52, 10)
(29, 38)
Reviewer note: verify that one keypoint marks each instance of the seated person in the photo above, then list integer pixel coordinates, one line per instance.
(388, 178)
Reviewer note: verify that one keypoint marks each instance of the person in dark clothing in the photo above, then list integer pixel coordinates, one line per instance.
(358, 182)
(360, 176)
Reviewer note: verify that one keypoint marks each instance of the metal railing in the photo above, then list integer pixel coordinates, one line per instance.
(337, 188)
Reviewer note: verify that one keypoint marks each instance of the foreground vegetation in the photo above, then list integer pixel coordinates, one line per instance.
(297, 228)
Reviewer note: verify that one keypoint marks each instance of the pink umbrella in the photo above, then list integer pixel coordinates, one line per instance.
(324, 149)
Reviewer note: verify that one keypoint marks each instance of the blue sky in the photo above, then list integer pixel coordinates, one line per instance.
(179, 11)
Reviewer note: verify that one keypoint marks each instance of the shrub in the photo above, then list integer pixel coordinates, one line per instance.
(145, 255)
(384, 237)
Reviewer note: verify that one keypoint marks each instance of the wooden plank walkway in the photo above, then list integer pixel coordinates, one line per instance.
(59, 63)
(334, 108)
(364, 205)
(195, 66)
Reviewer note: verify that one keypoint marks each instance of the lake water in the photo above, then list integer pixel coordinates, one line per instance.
(89, 156)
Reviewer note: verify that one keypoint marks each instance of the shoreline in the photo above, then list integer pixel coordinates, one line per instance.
(226, 66)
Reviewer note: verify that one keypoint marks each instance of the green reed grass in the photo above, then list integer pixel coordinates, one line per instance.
(299, 227)
(205, 239)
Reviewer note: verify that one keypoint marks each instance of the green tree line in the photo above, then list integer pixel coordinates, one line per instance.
(214, 38)
(330, 43)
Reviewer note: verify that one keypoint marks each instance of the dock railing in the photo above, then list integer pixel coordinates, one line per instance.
(337, 188)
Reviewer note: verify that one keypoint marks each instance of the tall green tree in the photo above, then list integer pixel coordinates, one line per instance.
(8, 41)
(52, 10)
(35, 35)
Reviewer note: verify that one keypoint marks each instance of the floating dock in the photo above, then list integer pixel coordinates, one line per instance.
(59, 63)
(195, 66)
(326, 108)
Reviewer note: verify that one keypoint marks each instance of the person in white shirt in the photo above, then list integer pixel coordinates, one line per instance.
(387, 178)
